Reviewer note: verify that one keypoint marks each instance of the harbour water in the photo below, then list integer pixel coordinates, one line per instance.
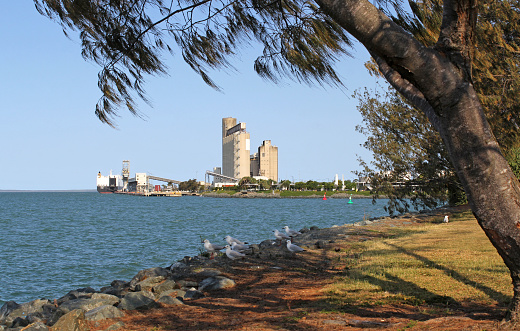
(52, 242)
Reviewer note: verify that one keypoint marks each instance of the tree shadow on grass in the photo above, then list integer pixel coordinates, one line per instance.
(491, 293)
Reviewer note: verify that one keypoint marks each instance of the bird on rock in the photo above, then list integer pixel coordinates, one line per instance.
(294, 248)
(239, 247)
(291, 233)
(212, 248)
(233, 254)
(280, 236)
(230, 240)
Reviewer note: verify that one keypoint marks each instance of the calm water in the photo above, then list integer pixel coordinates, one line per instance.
(51, 243)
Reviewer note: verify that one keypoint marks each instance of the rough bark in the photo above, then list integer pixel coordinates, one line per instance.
(438, 81)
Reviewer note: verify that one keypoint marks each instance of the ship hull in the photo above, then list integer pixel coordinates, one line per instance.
(106, 189)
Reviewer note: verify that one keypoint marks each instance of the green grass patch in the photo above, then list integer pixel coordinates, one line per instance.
(427, 264)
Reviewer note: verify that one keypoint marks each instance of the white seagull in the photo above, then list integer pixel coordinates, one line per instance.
(294, 248)
(239, 247)
(280, 236)
(230, 240)
(212, 248)
(291, 233)
(233, 254)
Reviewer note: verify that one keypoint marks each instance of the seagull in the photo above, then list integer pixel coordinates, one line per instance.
(230, 240)
(212, 248)
(294, 248)
(239, 247)
(280, 236)
(233, 254)
(291, 233)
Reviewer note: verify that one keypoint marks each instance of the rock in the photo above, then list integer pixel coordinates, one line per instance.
(216, 283)
(266, 244)
(85, 304)
(187, 283)
(148, 273)
(148, 283)
(37, 326)
(335, 322)
(320, 244)
(72, 321)
(208, 272)
(193, 294)
(255, 248)
(116, 326)
(117, 287)
(13, 310)
(120, 284)
(19, 322)
(137, 300)
(77, 294)
(7, 308)
(107, 298)
(168, 300)
(167, 285)
(103, 312)
(178, 265)
(174, 294)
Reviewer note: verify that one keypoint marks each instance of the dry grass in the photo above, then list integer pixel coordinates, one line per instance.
(444, 265)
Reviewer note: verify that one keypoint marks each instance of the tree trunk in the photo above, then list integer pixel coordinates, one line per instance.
(438, 82)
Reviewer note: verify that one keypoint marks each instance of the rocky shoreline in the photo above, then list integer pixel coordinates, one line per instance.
(191, 278)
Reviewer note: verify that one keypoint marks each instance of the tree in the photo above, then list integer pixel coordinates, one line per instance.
(311, 185)
(265, 184)
(300, 186)
(302, 39)
(191, 185)
(328, 186)
(405, 144)
(410, 164)
(247, 183)
(286, 184)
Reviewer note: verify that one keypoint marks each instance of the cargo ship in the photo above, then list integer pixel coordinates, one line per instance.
(110, 183)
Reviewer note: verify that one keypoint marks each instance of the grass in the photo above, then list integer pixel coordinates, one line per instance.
(429, 264)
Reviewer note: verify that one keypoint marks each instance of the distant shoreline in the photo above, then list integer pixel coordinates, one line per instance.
(44, 191)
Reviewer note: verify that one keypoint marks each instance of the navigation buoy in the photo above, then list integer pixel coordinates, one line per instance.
(350, 199)
(325, 196)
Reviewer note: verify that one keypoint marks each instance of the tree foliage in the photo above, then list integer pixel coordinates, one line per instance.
(406, 147)
(191, 185)
(496, 58)
(128, 39)
(410, 164)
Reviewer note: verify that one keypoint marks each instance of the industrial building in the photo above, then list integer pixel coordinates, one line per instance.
(265, 162)
(235, 149)
(237, 162)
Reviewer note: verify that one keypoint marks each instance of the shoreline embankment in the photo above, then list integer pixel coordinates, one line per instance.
(188, 279)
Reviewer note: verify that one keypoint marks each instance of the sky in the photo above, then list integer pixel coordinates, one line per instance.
(52, 140)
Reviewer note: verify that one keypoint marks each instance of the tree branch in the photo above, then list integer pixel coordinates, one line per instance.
(408, 90)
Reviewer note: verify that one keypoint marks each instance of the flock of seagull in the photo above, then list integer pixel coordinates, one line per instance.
(235, 248)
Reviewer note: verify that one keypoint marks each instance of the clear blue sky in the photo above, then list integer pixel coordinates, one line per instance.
(51, 139)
